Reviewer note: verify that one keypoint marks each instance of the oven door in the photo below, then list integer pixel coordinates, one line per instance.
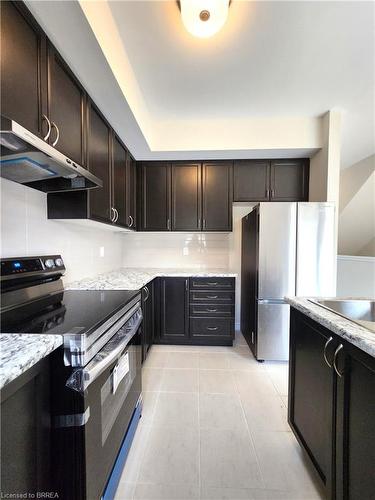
(102, 397)
(112, 398)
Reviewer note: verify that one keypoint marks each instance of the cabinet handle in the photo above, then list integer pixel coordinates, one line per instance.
(213, 283)
(114, 214)
(204, 223)
(45, 138)
(325, 351)
(212, 328)
(267, 193)
(212, 296)
(168, 224)
(57, 133)
(148, 293)
(211, 310)
(131, 221)
(199, 223)
(340, 374)
(272, 193)
(252, 337)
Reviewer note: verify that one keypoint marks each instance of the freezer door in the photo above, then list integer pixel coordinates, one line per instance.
(273, 331)
(316, 251)
(277, 250)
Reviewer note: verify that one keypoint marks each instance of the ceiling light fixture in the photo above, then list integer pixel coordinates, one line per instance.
(204, 18)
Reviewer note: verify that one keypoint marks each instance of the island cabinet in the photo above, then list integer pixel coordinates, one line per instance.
(26, 434)
(331, 407)
(271, 180)
(196, 311)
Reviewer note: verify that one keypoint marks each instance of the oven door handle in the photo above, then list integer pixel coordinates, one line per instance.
(81, 378)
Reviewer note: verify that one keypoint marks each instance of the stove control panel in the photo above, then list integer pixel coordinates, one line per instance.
(16, 266)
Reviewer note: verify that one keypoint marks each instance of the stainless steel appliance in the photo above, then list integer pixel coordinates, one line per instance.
(287, 249)
(29, 160)
(95, 375)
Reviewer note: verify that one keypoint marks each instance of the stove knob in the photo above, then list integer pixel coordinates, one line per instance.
(49, 263)
(59, 262)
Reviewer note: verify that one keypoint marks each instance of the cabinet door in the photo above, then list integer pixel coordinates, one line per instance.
(355, 432)
(148, 317)
(66, 100)
(155, 209)
(249, 274)
(289, 180)
(310, 406)
(26, 433)
(217, 196)
(186, 196)
(251, 180)
(99, 165)
(23, 68)
(131, 212)
(174, 317)
(119, 181)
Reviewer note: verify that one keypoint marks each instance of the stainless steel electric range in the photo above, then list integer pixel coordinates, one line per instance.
(95, 375)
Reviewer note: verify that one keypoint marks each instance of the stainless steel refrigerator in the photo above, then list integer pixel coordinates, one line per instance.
(287, 249)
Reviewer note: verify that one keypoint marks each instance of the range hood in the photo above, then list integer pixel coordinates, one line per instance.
(28, 160)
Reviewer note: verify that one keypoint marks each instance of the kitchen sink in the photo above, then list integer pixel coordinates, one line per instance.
(359, 311)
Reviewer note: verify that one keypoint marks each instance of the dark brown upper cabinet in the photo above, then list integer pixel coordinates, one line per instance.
(119, 184)
(289, 180)
(66, 108)
(99, 163)
(217, 196)
(131, 198)
(186, 196)
(251, 180)
(23, 68)
(155, 196)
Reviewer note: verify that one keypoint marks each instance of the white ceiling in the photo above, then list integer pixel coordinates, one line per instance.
(272, 60)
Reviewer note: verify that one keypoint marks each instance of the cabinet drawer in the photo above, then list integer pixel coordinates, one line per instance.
(212, 296)
(212, 283)
(211, 327)
(197, 309)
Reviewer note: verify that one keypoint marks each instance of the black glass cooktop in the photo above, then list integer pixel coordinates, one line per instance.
(78, 311)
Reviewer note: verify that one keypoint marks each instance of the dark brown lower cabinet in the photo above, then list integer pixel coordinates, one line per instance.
(331, 408)
(187, 319)
(25, 434)
(174, 317)
(148, 318)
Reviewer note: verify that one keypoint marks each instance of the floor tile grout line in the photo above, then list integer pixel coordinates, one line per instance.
(251, 438)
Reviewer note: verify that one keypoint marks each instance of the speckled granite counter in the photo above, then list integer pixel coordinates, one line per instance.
(351, 332)
(18, 353)
(134, 278)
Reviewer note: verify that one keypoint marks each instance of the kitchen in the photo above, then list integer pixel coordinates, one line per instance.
(170, 251)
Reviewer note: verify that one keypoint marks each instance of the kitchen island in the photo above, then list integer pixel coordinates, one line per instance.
(331, 405)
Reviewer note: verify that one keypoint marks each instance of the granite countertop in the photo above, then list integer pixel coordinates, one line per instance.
(19, 352)
(352, 332)
(136, 278)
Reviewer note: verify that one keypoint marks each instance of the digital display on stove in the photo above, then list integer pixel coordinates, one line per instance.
(20, 266)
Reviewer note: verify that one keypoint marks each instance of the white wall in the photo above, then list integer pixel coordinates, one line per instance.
(357, 209)
(25, 231)
(355, 276)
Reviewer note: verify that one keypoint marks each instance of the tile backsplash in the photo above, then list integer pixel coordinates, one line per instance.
(25, 230)
(176, 250)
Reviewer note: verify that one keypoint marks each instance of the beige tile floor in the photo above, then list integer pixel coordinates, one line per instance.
(214, 426)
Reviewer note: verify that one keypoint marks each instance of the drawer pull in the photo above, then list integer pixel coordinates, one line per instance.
(211, 310)
(213, 283)
(212, 296)
(212, 328)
